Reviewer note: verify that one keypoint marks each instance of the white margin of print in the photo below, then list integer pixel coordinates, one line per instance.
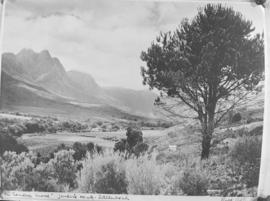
(264, 180)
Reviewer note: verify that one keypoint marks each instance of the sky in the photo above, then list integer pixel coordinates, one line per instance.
(103, 38)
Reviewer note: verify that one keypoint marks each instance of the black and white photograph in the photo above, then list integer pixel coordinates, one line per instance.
(132, 97)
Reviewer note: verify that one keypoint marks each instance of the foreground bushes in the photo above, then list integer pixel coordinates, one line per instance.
(64, 167)
(144, 176)
(23, 172)
(112, 173)
(115, 173)
(193, 182)
(246, 153)
(102, 174)
(237, 171)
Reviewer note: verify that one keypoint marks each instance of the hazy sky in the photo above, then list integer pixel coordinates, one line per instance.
(102, 38)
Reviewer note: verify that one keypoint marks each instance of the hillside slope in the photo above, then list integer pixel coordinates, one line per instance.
(46, 72)
(187, 136)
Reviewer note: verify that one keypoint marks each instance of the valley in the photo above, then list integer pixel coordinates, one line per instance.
(47, 111)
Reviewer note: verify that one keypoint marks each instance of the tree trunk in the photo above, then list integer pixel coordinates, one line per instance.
(207, 131)
(206, 144)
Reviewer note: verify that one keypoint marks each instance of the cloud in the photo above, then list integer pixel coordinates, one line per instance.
(101, 37)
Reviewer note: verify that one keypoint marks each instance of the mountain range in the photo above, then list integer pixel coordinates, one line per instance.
(31, 79)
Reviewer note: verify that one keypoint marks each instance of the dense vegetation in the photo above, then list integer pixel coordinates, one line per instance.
(17, 127)
(87, 168)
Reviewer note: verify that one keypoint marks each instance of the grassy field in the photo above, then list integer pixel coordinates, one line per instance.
(45, 143)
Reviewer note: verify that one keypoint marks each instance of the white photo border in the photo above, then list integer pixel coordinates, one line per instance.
(264, 179)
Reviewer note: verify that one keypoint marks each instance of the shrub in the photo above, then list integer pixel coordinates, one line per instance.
(223, 175)
(90, 147)
(93, 126)
(79, 151)
(256, 131)
(236, 118)
(193, 182)
(16, 170)
(34, 127)
(8, 143)
(247, 154)
(72, 126)
(144, 176)
(22, 172)
(16, 129)
(64, 167)
(134, 136)
(140, 148)
(61, 146)
(133, 144)
(98, 149)
(115, 127)
(42, 179)
(111, 179)
(102, 174)
(120, 145)
(247, 149)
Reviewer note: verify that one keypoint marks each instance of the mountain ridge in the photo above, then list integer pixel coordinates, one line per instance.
(43, 70)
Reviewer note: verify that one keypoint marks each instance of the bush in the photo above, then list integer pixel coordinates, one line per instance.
(98, 149)
(134, 136)
(120, 145)
(144, 176)
(140, 148)
(247, 154)
(236, 118)
(193, 182)
(247, 150)
(79, 151)
(256, 131)
(64, 167)
(42, 179)
(103, 174)
(72, 126)
(99, 123)
(22, 172)
(223, 175)
(16, 170)
(16, 129)
(115, 127)
(90, 146)
(8, 143)
(133, 144)
(34, 127)
(111, 179)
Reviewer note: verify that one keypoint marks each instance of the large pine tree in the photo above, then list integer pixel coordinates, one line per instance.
(209, 63)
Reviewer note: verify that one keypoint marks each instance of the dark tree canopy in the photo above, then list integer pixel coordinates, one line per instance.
(205, 62)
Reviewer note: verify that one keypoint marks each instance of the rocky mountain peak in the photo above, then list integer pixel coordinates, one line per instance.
(45, 54)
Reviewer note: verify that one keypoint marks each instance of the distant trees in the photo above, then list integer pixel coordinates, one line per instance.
(210, 64)
(80, 149)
